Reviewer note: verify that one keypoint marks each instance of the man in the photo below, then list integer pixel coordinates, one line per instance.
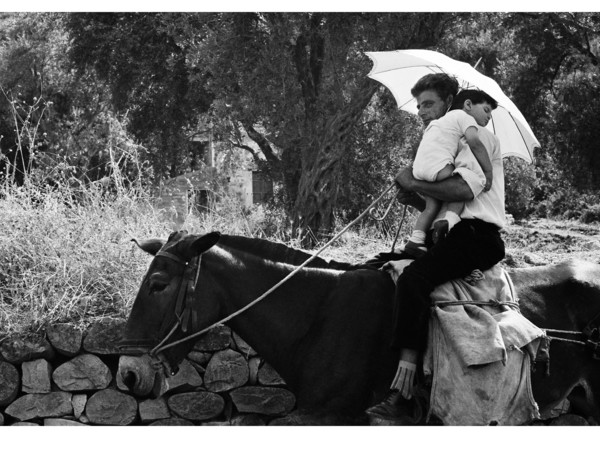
(473, 243)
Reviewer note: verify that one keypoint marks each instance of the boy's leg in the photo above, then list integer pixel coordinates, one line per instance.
(446, 172)
(416, 243)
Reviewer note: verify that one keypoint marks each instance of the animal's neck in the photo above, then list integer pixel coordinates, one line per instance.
(276, 327)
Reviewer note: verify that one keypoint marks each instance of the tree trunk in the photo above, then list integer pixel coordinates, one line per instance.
(318, 187)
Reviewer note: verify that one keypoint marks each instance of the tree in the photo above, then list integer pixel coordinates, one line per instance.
(142, 58)
(29, 81)
(548, 64)
(296, 83)
(56, 127)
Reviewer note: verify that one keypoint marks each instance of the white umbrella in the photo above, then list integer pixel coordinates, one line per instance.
(399, 70)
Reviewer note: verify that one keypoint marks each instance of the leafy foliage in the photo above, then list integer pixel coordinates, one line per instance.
(296, 83)
(288, 90)
(142, 59)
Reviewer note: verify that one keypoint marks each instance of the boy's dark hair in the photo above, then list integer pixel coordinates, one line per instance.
(443, 84)
(475, 95)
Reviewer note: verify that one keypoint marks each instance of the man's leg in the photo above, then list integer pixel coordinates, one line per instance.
(471, 244)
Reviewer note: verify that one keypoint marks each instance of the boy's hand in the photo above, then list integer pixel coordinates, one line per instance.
(488, 181)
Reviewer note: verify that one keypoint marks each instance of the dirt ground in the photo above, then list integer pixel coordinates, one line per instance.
(543, 241)
(528, 243)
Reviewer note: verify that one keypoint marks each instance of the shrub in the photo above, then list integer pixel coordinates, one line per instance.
(519, 185)
(590, 215)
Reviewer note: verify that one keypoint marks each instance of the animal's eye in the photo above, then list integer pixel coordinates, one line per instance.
(157, 285)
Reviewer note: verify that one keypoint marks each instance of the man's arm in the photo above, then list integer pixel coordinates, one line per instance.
(453, 189)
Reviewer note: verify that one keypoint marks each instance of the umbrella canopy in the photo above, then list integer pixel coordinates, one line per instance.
(399, 70)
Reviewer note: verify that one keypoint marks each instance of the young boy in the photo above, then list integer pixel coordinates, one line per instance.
(437, 151)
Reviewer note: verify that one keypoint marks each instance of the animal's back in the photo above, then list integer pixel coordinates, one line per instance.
(549, 295)
(566, 297)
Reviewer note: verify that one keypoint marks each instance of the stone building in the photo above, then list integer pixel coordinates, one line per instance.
(179, 195)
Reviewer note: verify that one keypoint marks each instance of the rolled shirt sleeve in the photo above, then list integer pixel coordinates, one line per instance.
(475, 181)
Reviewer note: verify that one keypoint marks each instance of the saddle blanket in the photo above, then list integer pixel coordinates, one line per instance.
(479, 356)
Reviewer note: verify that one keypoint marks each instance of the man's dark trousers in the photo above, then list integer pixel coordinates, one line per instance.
(471, 244)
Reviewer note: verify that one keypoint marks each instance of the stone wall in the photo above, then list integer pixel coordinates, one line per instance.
(69, 377)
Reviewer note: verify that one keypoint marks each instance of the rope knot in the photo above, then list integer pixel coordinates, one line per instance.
(474, 277)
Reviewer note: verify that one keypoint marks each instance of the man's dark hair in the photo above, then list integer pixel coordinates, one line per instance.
(476, 96)
(443, 84)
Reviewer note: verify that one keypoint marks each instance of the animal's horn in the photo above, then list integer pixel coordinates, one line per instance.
(151, 246)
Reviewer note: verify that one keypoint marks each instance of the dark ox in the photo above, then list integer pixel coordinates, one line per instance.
(326, 330)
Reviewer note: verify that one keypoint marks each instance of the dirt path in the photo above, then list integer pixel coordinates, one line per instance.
(532, 242)
(544, 241)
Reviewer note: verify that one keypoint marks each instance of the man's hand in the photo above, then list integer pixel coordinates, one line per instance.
(440, 230)
(404, 180)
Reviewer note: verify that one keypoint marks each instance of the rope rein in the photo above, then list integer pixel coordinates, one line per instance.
(386, 213)
(399, 228)
(160, 347)
(572, 333)
(490, 302)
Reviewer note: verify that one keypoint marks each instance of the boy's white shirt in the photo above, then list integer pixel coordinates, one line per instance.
(487, 206)
(442, 141)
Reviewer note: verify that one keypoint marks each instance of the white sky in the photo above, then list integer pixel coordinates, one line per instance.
(303, 5)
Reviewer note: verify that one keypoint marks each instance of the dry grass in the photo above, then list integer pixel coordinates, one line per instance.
(64, 258)
(66, 254)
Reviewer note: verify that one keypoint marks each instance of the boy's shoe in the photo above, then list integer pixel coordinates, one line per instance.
(414, 249)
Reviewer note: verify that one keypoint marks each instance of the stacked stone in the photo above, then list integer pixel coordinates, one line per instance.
(68, 377)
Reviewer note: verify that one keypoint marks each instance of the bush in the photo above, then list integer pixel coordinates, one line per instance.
(519, 178)
(590, 215)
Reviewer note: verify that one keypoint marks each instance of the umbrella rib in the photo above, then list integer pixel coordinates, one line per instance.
(493, 124)
(521, 134)
(409, 67)
(522, 137)
(405, 103)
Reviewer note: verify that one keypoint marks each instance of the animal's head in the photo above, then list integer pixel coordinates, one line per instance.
(167, 307)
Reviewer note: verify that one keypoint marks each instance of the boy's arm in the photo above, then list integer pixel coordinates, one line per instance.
(481, 155)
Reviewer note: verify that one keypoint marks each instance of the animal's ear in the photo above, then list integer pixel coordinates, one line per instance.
(151, 246)
(204, 242)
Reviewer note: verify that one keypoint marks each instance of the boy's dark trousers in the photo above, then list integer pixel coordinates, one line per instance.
(471, 244)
